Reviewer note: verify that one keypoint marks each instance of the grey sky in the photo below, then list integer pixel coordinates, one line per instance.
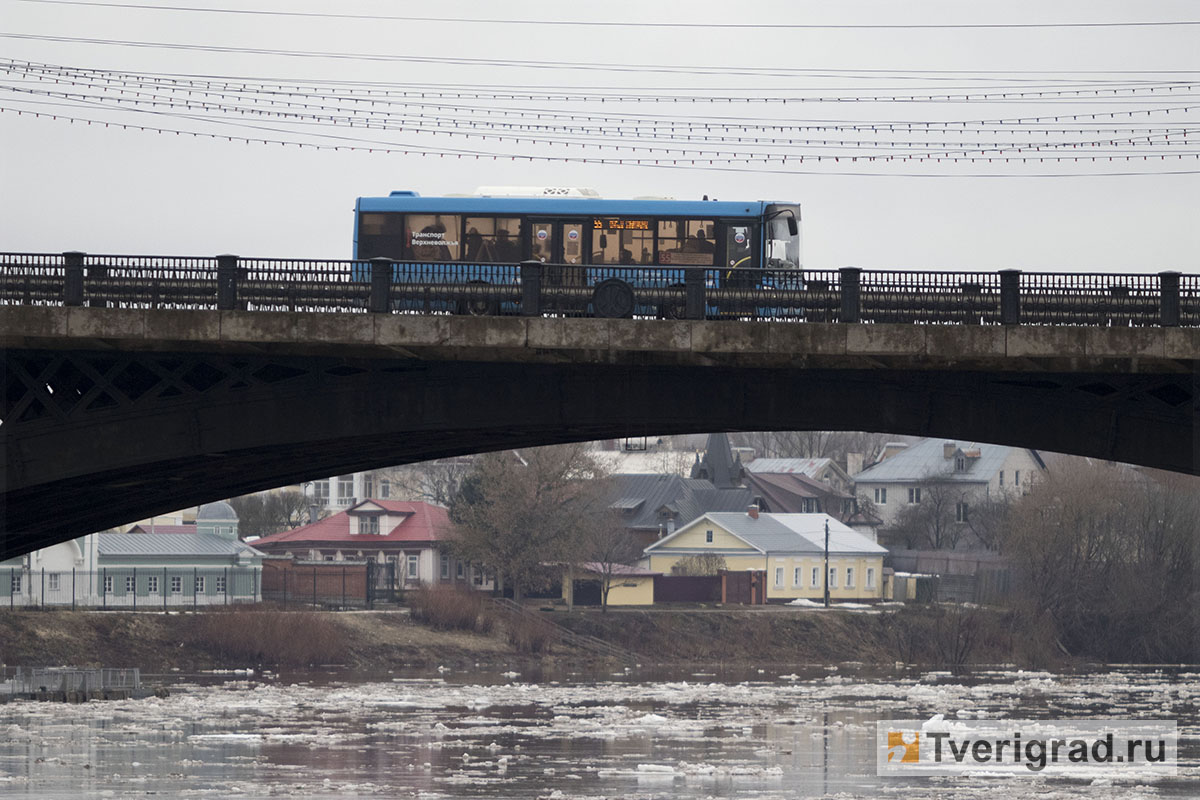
(88, 187)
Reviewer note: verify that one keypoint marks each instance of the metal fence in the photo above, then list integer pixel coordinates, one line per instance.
(1009, 297)
(28, 680)
(130, 587)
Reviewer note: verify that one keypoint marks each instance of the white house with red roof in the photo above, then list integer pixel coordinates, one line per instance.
(412, 536)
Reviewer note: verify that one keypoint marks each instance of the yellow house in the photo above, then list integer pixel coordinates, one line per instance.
(790, 548)
(628, 586)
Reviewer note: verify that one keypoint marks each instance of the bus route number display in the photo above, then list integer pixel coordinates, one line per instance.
(621, 224)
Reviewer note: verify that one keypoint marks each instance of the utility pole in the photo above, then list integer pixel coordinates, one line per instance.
(827, 563)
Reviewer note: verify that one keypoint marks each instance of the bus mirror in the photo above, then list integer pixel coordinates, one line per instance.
(603, 242)
(793, 228)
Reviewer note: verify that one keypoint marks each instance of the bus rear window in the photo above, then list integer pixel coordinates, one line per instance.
(381, 235)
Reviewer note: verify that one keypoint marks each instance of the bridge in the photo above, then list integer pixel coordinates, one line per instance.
(138, 385)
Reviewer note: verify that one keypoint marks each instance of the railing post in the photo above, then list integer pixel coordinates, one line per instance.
(695, 301)
(851, 294)
(1168, 286)
(135, 588)
(1010, 297)
(164, 589)
(73, 278)
(195, 593)
(227, 280)
(104, 587)
(381, 284)
(226, 586)
(531, 288)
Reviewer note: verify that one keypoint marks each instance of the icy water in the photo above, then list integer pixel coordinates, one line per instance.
(637, 733)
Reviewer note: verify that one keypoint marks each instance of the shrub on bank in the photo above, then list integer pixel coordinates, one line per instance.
(447, 608)
(528, 634)
(260, 636)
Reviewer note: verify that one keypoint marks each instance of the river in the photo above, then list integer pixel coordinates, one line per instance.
(641, 733)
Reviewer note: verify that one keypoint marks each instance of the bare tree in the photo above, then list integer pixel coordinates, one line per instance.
(436, 482)
(935, 520)
(699, 564)
(517, 512)
(1109, 554)
(605, 549)
(265, 513)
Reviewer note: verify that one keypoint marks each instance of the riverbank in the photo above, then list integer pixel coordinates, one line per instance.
(246, 637)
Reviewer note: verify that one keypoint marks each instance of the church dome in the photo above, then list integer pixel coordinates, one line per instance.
(216, 512)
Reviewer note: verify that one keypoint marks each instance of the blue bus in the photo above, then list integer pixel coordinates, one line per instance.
(584, 241)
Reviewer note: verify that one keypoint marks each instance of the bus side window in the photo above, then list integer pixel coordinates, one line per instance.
(433, 237)
(493, 239)
(686, 243)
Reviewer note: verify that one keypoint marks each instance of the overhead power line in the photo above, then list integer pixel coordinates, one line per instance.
(625, 23)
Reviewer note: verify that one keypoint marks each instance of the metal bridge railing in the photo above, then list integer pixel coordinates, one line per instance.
(383, 286)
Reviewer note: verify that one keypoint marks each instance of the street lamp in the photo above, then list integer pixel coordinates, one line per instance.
(827, 562)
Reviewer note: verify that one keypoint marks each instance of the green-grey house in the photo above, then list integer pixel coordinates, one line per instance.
(210, 566)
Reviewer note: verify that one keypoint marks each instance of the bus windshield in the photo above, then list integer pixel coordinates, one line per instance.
(783, 247)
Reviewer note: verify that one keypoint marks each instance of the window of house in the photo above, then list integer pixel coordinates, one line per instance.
(914, 495)
(52, 582)
(433, 237)
(796, 577)
(960, 463)
(832, 577)
(152, 584)
(368, 486)
(199, 584)
(458, 569)
(1001, 477)
(345, 484)
(779, 576)
(870, 577)
(960, 512)
(708, 537)
(321, 492)
(412, 567)
(16, 583)
(816, 577)
(108, 584)
(368, 523)
(1017, 478)
(219, 584)
(849, 577)
(130, 584)
(686, 242)
(881, 495)
(445, 567)
(330, 558)
(176, 584)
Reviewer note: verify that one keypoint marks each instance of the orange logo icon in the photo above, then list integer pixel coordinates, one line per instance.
(904, 747)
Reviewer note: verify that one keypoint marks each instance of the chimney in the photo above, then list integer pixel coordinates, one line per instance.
(752, 512)
(948, 449)
(854, 463)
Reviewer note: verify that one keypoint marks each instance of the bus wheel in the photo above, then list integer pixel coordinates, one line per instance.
(612, 298)
(478, 303)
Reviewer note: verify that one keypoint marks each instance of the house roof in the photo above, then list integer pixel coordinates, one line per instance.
(617, 569)
(808, 466)
(642, 496)
(926, 460)
(718, 464)
(409, 522)
(170, 544)
(786, 533)
(140, 528)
